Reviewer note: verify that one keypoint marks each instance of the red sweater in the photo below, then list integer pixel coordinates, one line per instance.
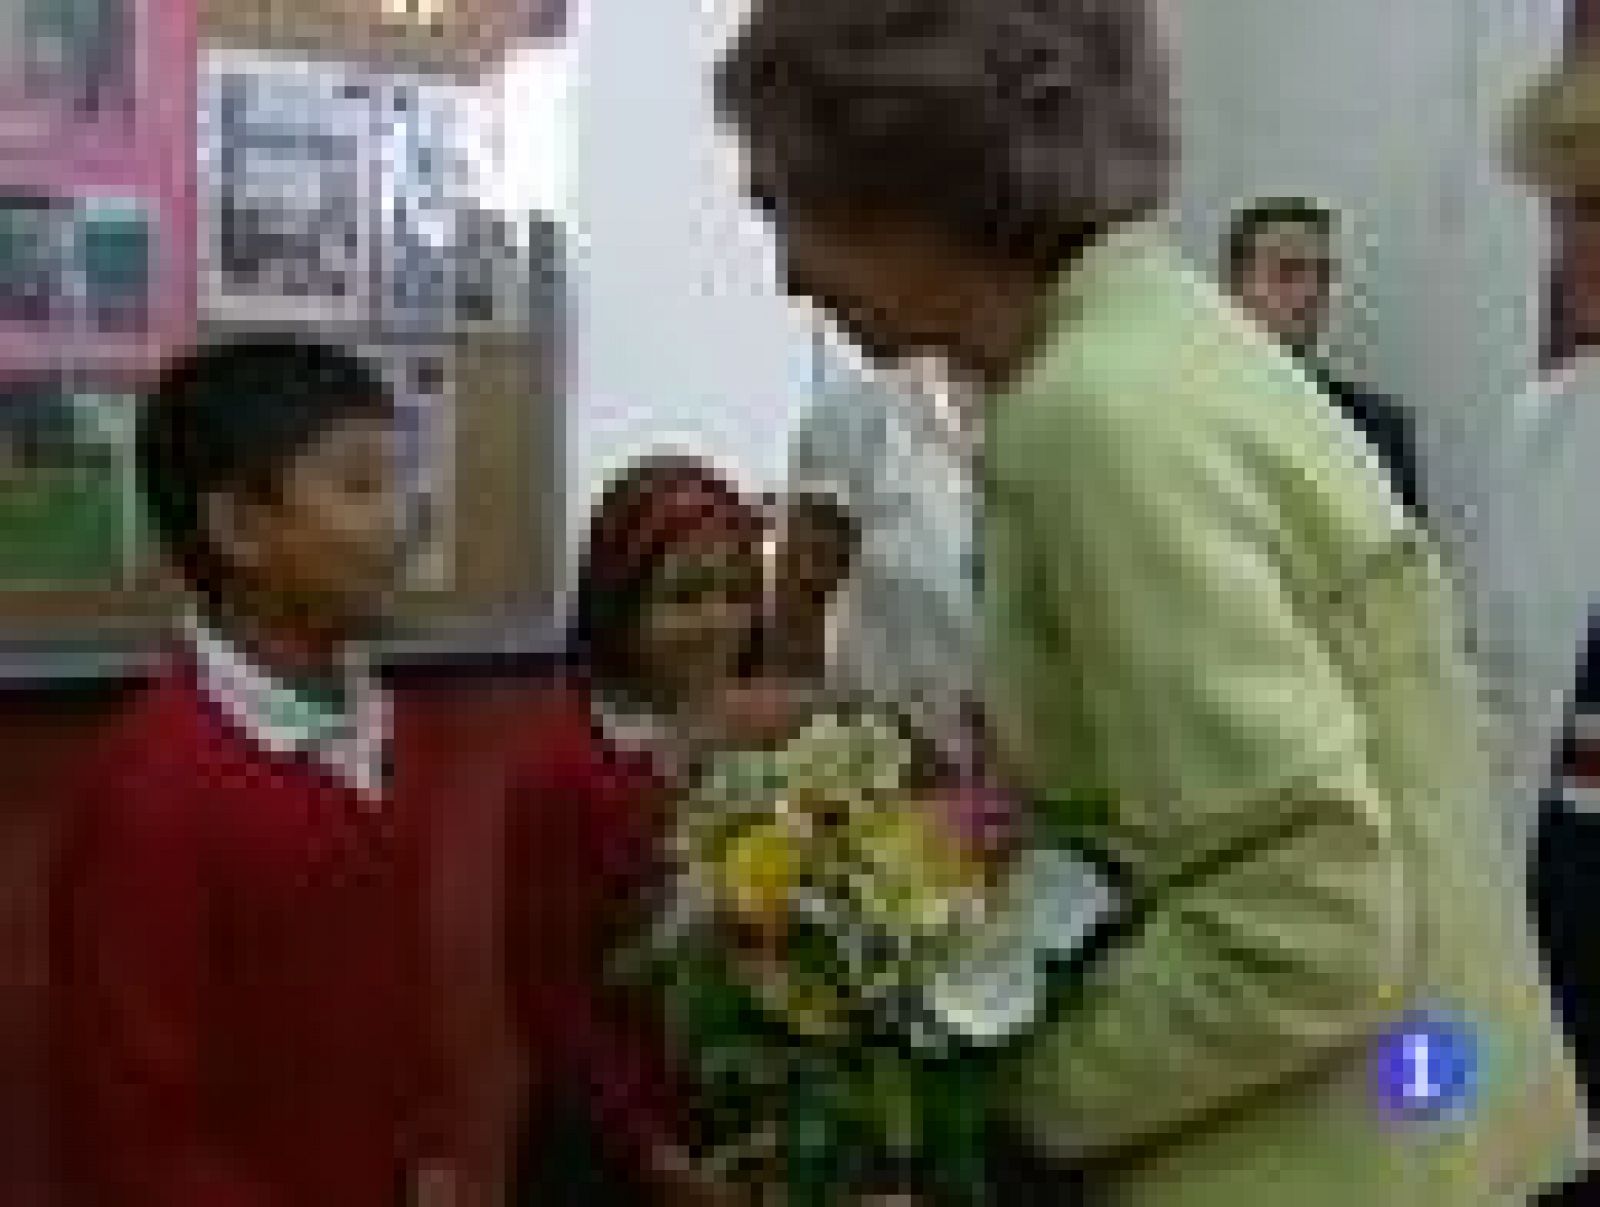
(243, 962)
(583, 851)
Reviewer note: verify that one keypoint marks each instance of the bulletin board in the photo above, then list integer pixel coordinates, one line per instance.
(97, 185)
(462, 311)
(97, 210)
(79, 569)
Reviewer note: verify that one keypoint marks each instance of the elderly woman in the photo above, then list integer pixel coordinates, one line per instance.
(1219, 652)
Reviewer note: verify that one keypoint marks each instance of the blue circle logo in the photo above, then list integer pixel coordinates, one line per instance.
(1425, 1068)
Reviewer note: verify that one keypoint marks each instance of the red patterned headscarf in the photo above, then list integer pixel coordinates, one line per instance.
(660, 504)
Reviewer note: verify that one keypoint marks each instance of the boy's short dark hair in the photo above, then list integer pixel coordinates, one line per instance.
(231, 417)
(1250, 221)
(1015, 126)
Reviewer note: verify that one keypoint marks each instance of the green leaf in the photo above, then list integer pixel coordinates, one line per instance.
(956, 1099)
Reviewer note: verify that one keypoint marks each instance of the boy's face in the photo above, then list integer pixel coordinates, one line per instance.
(328, 542)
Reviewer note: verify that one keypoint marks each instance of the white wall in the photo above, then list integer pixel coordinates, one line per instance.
(1388, 110)
(682, 337)
(1392, 113)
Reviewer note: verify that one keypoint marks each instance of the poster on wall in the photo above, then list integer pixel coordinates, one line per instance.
(447, 263)
(66, 65)
(83, 262)
(334, 196)
(288, 212)
(422, 183)
(422, 378)
(69, 512)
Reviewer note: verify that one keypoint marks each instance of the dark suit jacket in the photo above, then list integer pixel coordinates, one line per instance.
(1387, 428)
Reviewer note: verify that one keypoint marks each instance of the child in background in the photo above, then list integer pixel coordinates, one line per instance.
(237, 943)
(666, 613)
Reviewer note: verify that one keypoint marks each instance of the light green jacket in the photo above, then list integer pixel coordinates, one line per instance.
(1206, 610)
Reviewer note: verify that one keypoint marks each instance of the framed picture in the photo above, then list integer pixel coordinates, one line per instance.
(422, 182)
(69, 513)
(67, 67)
(493, 272)
(447, 264)
(288, 212)
(422, 377)
(80, 262)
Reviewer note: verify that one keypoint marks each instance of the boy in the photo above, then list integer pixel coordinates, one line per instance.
(238, 937)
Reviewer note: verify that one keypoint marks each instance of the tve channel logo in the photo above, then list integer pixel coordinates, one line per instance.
(1426, 1068)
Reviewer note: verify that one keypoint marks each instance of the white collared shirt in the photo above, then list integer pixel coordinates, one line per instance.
(639, 730)
(896, 454)
(353, 745)
(630, 728)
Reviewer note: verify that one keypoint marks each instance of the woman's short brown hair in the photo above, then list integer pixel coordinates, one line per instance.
(1013, 125)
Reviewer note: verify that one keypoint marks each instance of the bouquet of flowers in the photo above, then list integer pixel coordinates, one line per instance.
(842, 955)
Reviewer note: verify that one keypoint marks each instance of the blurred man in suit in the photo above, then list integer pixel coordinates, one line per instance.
(1281, 267)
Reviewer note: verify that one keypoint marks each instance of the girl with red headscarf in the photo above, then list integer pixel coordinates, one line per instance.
(667, 609)
(669, 597)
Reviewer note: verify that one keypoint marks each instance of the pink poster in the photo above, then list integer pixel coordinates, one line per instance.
(97, 185)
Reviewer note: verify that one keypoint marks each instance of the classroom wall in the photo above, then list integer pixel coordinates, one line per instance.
(1392, 113)
(681, 336)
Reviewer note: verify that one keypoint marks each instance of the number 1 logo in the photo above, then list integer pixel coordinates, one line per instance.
(1425, 1068)
(1420, 1087)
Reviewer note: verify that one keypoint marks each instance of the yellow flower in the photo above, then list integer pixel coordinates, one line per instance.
(916, 871)
(758, 872)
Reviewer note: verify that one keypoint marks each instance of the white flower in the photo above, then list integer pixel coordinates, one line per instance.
(1068, 898)
(841, 761)
(993, 991)
(1048, 906)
